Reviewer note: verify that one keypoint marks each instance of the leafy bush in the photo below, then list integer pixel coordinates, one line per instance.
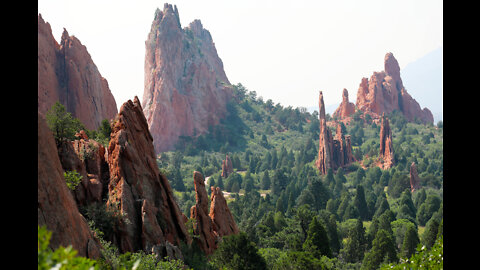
(72, 178)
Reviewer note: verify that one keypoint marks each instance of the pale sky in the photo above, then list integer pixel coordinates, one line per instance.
(284, 50)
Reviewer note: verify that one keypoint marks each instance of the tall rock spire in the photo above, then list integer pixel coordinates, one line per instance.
(386, 145)
(186, 89)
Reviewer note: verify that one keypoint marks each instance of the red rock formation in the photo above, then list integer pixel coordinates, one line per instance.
(346, 108)
(137, 189)
(227, 167)
(332, 153)
(414, 179)
(186, 89)
(203, 226)
(87, 157)
(384, 93)
(56, 206)
(222, 218)
(324, 160)
(66, 73)
(386, 158)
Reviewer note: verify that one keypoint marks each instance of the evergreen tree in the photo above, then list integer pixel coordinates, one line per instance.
(356, 243)
(430, 234)
(62, 124)
(360, 203)
(317, 240)
(236, 251)
(265, 184)
(383, 249)
(410, 242)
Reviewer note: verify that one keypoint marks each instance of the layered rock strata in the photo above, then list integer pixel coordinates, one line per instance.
(186, 89)
(386, 156)
(137, 190)
(384, 93)
(67, 73)
(332, 153)
(57, 209)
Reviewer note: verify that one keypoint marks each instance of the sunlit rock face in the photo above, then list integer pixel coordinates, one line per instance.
(67, 73)
(186, 89)
(384, 93)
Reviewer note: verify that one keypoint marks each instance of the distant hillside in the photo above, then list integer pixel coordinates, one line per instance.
(423, 80)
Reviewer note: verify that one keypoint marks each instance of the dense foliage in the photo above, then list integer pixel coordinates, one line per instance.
(355, 217)
(290, 216)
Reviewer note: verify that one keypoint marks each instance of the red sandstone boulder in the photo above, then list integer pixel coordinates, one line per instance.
(386, 157)
(56, 206)
(66, 73)
(137, 190)
(186, 89)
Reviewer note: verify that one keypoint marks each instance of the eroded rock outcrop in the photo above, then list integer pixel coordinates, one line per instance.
(203, 225)
(87, 157)
(332, 152)
(67, 73)
(56, 206)
(222, 218)
(346, 108)
(384, 93)
(414, 179)
(227, 167)
(137, 190)
(386, 157)
(186, 89)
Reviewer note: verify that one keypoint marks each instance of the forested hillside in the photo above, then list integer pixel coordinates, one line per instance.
(356, 217)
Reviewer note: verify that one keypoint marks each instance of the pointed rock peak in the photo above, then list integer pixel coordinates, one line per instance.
(321, 106)
(391, 66)
(345, 95)
(65, 34)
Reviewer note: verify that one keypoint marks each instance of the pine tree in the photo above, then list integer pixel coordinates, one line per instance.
(383, 249)
(410, 242)
(265, 184)
(360, 203)
(317, 240)
(356, 244)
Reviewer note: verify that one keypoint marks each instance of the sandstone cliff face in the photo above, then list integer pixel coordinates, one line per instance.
(332, 152)
(137, 189)
(346, 108)
(66, 73)
(186, 89)
(414, 179)
(386, 157)
(56, 206)
(384, 93)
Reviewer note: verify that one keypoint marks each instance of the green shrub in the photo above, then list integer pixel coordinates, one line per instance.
(72, 178)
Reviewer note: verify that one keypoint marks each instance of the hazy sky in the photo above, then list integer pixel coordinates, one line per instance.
(284, 50)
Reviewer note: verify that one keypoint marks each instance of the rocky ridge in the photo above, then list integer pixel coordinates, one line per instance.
(67, 73)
